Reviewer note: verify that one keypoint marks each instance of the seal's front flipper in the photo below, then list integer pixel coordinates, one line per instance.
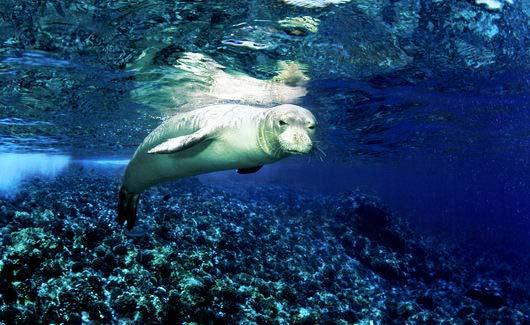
(127, 203)
(248, 170)
(181, 143)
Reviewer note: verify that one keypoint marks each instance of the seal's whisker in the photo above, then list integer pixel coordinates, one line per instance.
(314, 153)
(321, 158)
(318, 151)
(276, 151)
(321, 151)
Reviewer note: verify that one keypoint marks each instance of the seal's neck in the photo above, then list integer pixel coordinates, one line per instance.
(268, 139)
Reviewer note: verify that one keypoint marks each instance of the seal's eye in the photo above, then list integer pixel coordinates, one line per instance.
(312, 126)
(282, 123)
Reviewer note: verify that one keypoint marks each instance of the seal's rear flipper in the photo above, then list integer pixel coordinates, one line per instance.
(127, 203)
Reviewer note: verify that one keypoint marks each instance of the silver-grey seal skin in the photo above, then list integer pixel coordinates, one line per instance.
(214, 138)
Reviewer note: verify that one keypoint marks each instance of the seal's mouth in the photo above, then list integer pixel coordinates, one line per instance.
(298, 150)
(295, 141)
(295, 152)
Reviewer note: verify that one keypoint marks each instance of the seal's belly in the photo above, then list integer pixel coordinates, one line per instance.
(212, 158)
(149, 169)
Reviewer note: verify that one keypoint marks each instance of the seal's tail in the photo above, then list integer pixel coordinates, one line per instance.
(127, 203)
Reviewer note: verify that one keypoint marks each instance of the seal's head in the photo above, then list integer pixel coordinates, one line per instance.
(287, 130)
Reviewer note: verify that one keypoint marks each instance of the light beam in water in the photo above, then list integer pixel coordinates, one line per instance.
(17, 167)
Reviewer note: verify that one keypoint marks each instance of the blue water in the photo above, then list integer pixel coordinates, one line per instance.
(424, 106)
(453, 162)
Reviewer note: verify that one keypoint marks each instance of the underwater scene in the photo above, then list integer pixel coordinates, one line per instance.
(264, 162)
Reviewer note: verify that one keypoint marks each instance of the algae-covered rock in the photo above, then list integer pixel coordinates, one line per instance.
(233, 255)
(70, 294)
(488, 292)
(29, 248)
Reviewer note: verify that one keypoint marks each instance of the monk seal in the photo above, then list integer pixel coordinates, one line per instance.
(214, 138)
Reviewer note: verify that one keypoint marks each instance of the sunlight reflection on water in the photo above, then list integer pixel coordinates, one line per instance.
(16, 167)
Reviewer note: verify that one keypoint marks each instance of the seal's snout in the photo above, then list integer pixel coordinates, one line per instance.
(295, 141)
